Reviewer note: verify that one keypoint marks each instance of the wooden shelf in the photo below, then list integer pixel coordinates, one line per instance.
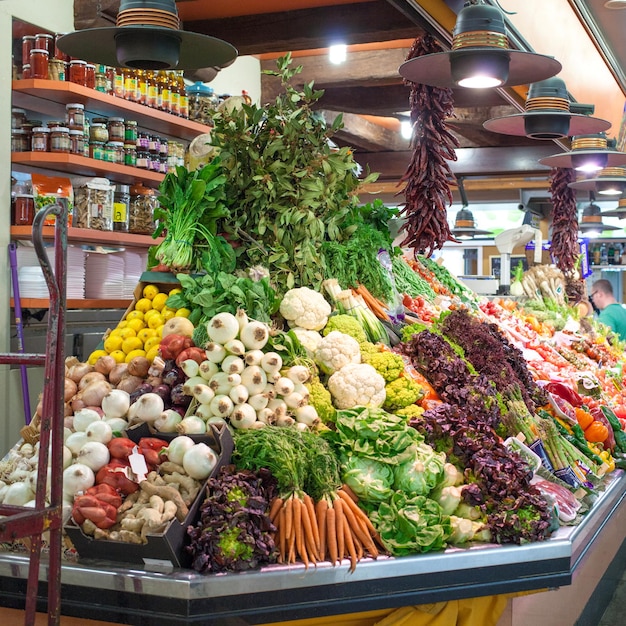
(49, 97)
(75, 164)
(89, 236)
(44, 303)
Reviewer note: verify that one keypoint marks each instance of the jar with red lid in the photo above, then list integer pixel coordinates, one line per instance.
(39, 63)
(78, 72)
(60, 140)
(44, 41)
(28, 43)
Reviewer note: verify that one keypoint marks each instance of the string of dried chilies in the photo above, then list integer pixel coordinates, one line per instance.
(428, 176)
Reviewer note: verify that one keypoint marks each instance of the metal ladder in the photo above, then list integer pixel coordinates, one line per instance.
(20, 522)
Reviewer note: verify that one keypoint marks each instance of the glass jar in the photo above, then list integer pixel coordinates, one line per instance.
(164, 148)
(58, 53)
(154, 145)
(26, 73)
(143, 139)
(98, 132)
(19, 140)
(90, 76)
(143, 159)
(78, 72)
(93, 204)
(28, 43)
(44, 41)
(116, 128)
(39, 63)
(114, 152)
(121, 208)
(57, 69)
(18, 117)
(40, 139)
(101, 83)
(60, 139)
(77, 142)
(75, 116)
(96, 150)
(130, 154)
(202, 103)
(130, 131)
(23, 210)
(143, 202)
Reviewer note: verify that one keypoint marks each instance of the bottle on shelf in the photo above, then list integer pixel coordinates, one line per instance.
(183, 97)
(174, 94)
(164, 91)
(617, 254)
(610, 253)
(604, 255)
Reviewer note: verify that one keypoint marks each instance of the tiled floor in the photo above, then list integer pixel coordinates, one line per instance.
(615, 613)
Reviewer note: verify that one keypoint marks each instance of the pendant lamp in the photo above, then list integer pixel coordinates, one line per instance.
(548, 114)
(480, 56)
(591, 223)
(464, 224)
(619, 211)
(611, 181)
(589, 154)
(147, 36)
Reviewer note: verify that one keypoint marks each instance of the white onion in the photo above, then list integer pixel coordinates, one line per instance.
(222, 327)
(67, 457)
(99, 431)
(191, 425)
(168, 421)
(94, 455)
(77, 477)
(83, 418)
(190, 367)
(18, 494)
(76, 441)
(116, 403)
(177, 448)
(199, 461)
(147, 408)
(117, 424)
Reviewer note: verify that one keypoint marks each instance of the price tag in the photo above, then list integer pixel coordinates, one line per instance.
(138, 464)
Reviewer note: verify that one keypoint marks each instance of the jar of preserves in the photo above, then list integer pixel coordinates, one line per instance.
(130, 131)
(143, 202)
(77, 142)
(154, 145)
(93, 204)
(164, 147)
(143, 139)
(60, 139)
(40, 139)
(54, 124)
(202, 103)
(90, 76)
(121, 208)
(114, 152)
(26, 73)
(58, 53)
(98, 132)
(19, 140)
(101, 83)
(57, 69)
(44, 41)
(143, 159)
(116, 128)
(23, 210)
(28, 43)
(96, 150)
(78, 72)
(18, 117)
(39, 63)
(130, 154)
(75, 116)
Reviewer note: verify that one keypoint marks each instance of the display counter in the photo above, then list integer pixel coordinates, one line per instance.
(160, 596)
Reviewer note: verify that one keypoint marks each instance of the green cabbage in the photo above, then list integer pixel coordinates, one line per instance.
(370, 480)
(421, 473)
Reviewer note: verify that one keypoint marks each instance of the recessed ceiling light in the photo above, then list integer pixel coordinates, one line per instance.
(337, 53)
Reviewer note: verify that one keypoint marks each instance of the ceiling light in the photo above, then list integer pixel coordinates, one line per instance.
(406, 129)
(147, 36)
(464, 224)
(589, 153)
(610, 181)
(480, 56)
(619, 211)
(591, 220)
(337, 53)
(548, 115)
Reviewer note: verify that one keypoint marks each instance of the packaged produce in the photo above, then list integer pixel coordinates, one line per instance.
(94, 204)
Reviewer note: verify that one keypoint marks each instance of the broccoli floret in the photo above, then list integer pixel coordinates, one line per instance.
(410, 412)
(400, 393)
(388, 364)
(321, 399)
(346, 324)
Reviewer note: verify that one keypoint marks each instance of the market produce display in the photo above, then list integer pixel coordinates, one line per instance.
(378, 410)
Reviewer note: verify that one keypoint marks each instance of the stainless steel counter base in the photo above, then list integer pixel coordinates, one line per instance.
(134, 595)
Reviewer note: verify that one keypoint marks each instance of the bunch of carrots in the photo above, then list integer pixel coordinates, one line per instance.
(332, 529)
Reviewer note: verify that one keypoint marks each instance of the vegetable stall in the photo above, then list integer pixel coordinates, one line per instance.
(295, 419)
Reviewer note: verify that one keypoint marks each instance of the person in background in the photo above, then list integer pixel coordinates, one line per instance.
(612, 313)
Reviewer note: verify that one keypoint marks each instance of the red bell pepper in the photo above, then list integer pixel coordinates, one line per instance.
(195, 354)
(114, 474)
(599, 416)
(120, 447)
(172, 345)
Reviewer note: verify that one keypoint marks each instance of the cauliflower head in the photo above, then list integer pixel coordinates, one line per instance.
(401, 392)
(345, 324)
(388, 364)
(357, 384)
(335, 351)
(309, 339)
(305, 308)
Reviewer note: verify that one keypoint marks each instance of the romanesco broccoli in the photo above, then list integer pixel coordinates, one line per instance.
(410, 412)
(388, 364)
(321, 399)
(401, 392)
(346, 324)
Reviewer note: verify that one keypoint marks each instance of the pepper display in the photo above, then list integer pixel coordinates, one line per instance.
(564, 246)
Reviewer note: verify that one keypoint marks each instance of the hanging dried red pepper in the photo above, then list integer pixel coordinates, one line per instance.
(428, 176)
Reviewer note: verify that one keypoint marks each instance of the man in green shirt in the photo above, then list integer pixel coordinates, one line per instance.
(612, 313)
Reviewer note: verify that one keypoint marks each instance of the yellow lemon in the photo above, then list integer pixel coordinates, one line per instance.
(125, 333)
(145, 333)
(95, 355)
(136, 324)
(158, 302)
(134, 315)
(173, 292)
(152, 342)
(160, 330)
(131, 344)
(133, 353)
(116, 332)
(183, 312)
(149, 291)
(112, 343)
(155, 321)
(119, 356)
(168, 313)
(152, 353)
(143, 305)
(122, 324)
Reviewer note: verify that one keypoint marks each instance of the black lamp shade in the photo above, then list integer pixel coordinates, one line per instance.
(475, 69)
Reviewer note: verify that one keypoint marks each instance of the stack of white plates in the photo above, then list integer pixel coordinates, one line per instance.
(134, 266)
(104, 275)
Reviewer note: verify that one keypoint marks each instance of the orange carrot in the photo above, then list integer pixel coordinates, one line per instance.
(282, 535)
(310, 507)
(341, 544)
(349, 543)
(320, 513)
(275, 508)
(359, 531)
(297, 525)
(331, 535)
(355, 509)
(308, 537)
